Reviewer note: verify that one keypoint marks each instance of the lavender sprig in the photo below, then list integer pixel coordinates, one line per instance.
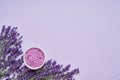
(10, 50)
(13, 68)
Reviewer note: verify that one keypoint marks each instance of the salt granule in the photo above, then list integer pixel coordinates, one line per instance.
(34, 57)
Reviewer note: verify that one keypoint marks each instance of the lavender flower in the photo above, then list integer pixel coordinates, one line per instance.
(13, 68)
(10, 50)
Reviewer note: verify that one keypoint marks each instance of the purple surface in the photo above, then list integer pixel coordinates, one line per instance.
(85, 33)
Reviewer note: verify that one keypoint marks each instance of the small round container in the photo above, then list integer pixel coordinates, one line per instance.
(34, 58)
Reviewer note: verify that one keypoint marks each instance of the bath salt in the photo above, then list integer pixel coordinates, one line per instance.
(34, 58)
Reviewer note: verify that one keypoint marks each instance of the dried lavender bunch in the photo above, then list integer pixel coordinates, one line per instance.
(13, 68)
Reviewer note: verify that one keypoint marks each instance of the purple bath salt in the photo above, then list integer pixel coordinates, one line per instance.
(34, 58)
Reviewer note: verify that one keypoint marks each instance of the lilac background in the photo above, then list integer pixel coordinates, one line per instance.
(85, 33)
